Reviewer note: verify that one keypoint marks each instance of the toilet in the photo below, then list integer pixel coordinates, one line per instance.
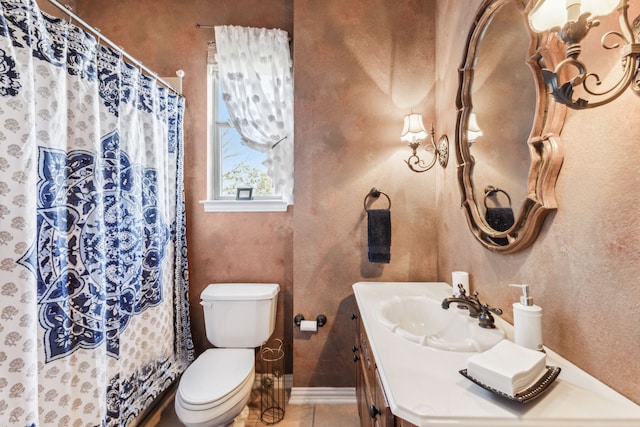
(216, 387)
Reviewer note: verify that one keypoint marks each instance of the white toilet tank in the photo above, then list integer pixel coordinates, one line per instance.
(239, 315)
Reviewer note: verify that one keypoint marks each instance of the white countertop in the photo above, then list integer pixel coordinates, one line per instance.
(423, 385)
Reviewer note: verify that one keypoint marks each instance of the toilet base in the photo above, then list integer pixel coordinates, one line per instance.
(241, 419)
(191, 419)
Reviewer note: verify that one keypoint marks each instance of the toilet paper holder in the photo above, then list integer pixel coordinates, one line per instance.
(321, 320)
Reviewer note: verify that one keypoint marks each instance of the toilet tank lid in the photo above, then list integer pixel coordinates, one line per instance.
(240, 291)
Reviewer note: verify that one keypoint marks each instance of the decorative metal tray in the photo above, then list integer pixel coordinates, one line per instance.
(536, 390)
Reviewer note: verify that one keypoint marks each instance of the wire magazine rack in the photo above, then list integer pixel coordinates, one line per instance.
(272, 388)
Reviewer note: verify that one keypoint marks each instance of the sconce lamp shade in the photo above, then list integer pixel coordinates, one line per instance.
(549, 14)
(413, 128)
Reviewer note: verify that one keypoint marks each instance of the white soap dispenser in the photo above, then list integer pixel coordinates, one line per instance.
(527, 321)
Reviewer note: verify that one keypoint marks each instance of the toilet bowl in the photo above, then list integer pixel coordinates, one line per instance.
(215, 388)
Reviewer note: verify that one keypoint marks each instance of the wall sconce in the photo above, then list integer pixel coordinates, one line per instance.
(572, 20)
(414, 133)
(473, 130)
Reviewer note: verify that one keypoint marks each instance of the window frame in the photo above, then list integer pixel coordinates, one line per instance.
(215, 202)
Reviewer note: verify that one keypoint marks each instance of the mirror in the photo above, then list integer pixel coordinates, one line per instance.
(507, 127)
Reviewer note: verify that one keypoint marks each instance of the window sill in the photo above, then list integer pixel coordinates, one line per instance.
(244, 205)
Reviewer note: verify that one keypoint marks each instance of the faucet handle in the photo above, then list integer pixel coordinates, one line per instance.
(486, 318)
(462, 293)
(474, 297)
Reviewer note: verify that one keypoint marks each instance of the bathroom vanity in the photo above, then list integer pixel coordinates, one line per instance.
(406, 382)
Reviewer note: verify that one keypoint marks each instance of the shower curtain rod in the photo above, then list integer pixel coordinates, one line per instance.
(66, 9)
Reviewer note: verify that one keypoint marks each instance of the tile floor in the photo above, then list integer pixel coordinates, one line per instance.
(330, 415)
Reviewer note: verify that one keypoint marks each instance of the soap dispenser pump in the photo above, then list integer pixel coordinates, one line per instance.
(527, 321)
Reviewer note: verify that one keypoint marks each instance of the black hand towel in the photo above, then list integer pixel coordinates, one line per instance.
(500, 219)
(379, 232)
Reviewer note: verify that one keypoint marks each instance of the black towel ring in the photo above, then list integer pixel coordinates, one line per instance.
(490, 190)
(375, 193)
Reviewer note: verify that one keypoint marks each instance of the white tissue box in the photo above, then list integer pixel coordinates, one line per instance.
(507, 367)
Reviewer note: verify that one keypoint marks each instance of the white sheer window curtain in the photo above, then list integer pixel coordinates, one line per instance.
(254, 68)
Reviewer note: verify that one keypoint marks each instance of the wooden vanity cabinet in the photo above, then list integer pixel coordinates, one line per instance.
(373, 408)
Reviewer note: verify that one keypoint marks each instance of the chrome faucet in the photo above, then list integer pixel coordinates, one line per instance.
(475, 307)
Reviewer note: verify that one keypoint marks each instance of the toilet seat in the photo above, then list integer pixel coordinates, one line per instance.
(215, 376)
(215, 388)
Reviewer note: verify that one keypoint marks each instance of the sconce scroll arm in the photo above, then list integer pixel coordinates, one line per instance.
(440, 153)
(572, 34)
(414, 161)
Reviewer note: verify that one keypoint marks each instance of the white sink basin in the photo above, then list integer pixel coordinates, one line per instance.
(422, 320)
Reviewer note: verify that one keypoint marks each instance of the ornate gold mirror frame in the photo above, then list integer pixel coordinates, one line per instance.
(546, 155)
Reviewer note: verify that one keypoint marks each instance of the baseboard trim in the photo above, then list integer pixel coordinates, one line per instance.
(322, 395)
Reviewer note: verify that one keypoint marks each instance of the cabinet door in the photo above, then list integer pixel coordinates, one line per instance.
(373, 408)
(363, 397)
(384, 417)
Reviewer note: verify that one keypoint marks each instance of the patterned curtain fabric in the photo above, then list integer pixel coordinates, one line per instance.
(254, 68)
(94, 317)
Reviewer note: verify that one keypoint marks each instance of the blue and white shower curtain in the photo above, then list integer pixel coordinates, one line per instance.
(94, 319)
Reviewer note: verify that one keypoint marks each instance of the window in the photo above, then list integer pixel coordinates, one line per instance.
(232, 165)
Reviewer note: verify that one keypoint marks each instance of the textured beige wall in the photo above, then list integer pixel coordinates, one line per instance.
(358, 71)
(584, 269)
